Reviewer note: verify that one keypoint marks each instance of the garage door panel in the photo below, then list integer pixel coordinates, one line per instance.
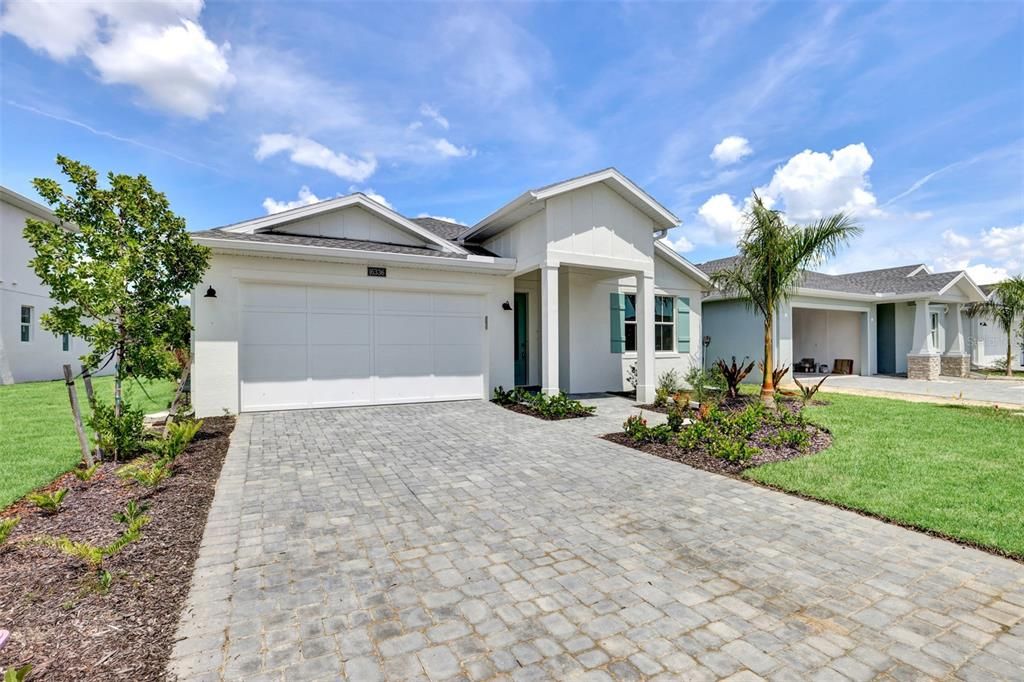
(327, 299)
(455, 330)
(339, 329)
(263, 328)
(402, 302)
(363, 347)
(402, 330)
(273, 296)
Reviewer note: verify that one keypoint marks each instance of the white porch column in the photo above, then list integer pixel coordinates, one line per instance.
(955, 361)
(645, 381)
(923, 359)
(549, 329)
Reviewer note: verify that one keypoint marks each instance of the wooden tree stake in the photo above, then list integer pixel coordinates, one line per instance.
(76, 413)
(172, 411)
(87, 380)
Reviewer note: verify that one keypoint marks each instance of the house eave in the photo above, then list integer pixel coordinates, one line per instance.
(471, 263)
(686, 266)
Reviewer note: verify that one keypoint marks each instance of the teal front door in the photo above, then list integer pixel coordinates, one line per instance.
(522, 349)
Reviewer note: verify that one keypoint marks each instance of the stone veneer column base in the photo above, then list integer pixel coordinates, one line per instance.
(923, 366)
(956, 365)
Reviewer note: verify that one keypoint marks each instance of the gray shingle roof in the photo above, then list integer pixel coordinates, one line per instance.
(328, 242)
(893, 281)
(442, 228)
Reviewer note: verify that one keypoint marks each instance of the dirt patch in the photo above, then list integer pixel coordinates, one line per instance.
(60, 621)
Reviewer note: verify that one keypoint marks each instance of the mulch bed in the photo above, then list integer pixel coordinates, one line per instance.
(526, 409)
(819, 440)
(60, 622)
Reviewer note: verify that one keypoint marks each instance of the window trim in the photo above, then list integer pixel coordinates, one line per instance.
(933, 332)
(672, 349)
(26, 330)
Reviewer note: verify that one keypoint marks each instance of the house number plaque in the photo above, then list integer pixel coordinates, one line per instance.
(376, 272)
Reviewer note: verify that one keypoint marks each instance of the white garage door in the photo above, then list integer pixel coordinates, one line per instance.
(324, 347)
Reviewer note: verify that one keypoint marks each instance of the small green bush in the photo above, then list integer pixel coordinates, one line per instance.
(48, 502)
(84, 473)
(7, 527)
(17, 674)
(661, 396)
(708, 386)
(559, 406)
(503, 397)
(676, 416)
(122, 436)
(797, 438)
(669, 382)
(635, 427)
(731, 450)
(147, 472)
(179, 435)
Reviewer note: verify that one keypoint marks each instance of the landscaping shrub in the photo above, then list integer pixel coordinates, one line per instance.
(807, 392)
(798, 439)
(635, 427)
(48, 502)
(669, 381)
(631, 377)
(708, 385)
(733, 374)
(676, 415)
(84, 473)
(503, 397)
(179, 435)
(731, 450)
(661, 396)
(147, 472)
(558, 406)
(122, 436)
(7, 527)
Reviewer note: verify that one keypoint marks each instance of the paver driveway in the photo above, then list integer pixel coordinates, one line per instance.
(462, 540)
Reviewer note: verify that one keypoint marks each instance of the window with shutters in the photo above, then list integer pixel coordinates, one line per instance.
(664, 323)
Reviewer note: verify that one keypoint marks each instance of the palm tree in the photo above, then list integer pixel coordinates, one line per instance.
(1005, 304)
(772, 258)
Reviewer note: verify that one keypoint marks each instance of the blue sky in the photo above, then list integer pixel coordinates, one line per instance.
(910, 115)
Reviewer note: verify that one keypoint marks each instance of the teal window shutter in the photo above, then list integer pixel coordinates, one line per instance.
(618, 322)
(683, 325)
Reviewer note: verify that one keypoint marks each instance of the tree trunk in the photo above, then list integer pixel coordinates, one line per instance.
(1009, 353)
(767, 386)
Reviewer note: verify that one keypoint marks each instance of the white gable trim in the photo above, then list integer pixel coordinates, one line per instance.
(669, 254)
(529, 202)
(359, 199)
(963, 276)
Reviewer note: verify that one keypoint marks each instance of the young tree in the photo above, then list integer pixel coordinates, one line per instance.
(1005, 305)
(117, 266)
(772, 258)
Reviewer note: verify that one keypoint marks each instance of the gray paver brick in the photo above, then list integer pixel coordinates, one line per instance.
(461, 540)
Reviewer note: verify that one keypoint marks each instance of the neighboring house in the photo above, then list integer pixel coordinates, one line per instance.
(987, 340)
(27, 351)
(346, 302)
(903, 320)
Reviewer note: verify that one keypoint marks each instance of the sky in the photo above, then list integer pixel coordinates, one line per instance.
(910, 116)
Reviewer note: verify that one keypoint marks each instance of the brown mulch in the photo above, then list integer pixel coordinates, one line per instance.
(526, 409)
(60, 621)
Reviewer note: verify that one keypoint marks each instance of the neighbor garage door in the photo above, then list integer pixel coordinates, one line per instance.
(321, 347)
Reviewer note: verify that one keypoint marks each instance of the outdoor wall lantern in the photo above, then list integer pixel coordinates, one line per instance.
(506, 306)
(211, 293)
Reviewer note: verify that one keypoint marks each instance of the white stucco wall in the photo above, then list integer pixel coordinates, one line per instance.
(43, 357)
(594, 221)
(215, 378)
(826, 335)
(353, 222)
(524, 241)
(988, 343)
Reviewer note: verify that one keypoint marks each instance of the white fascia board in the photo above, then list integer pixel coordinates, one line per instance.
(493, 223)
(974, 288)
(919, 269)
(686, 266)
(358, 199)
(663, 218)
(304, 251)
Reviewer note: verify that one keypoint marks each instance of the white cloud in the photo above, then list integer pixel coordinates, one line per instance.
(731, 150)
(986, 274)
(448, 150)
(1005, 244)
(441, 217)
(434, 115)
(379, 198)
(812, 185)
(678, 242)
(723, 217)
(158, 47)
(306, 152)
(306, 197)
(955, 240)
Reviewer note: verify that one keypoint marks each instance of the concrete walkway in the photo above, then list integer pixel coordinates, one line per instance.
(464, 541)
(991, 391)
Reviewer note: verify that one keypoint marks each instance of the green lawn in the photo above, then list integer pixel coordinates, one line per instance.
(953, 469)
(37, 434)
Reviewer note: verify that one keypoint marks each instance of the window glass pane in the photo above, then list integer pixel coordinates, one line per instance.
(25, 333)
(631, 337)
(663, 337)
(26, 314)
(663, 308)
(65, 342)
(630, 308)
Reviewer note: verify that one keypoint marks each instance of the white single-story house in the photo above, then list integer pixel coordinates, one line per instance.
(987, 340)
(347, 302)
(903, 320)
(27, 351)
